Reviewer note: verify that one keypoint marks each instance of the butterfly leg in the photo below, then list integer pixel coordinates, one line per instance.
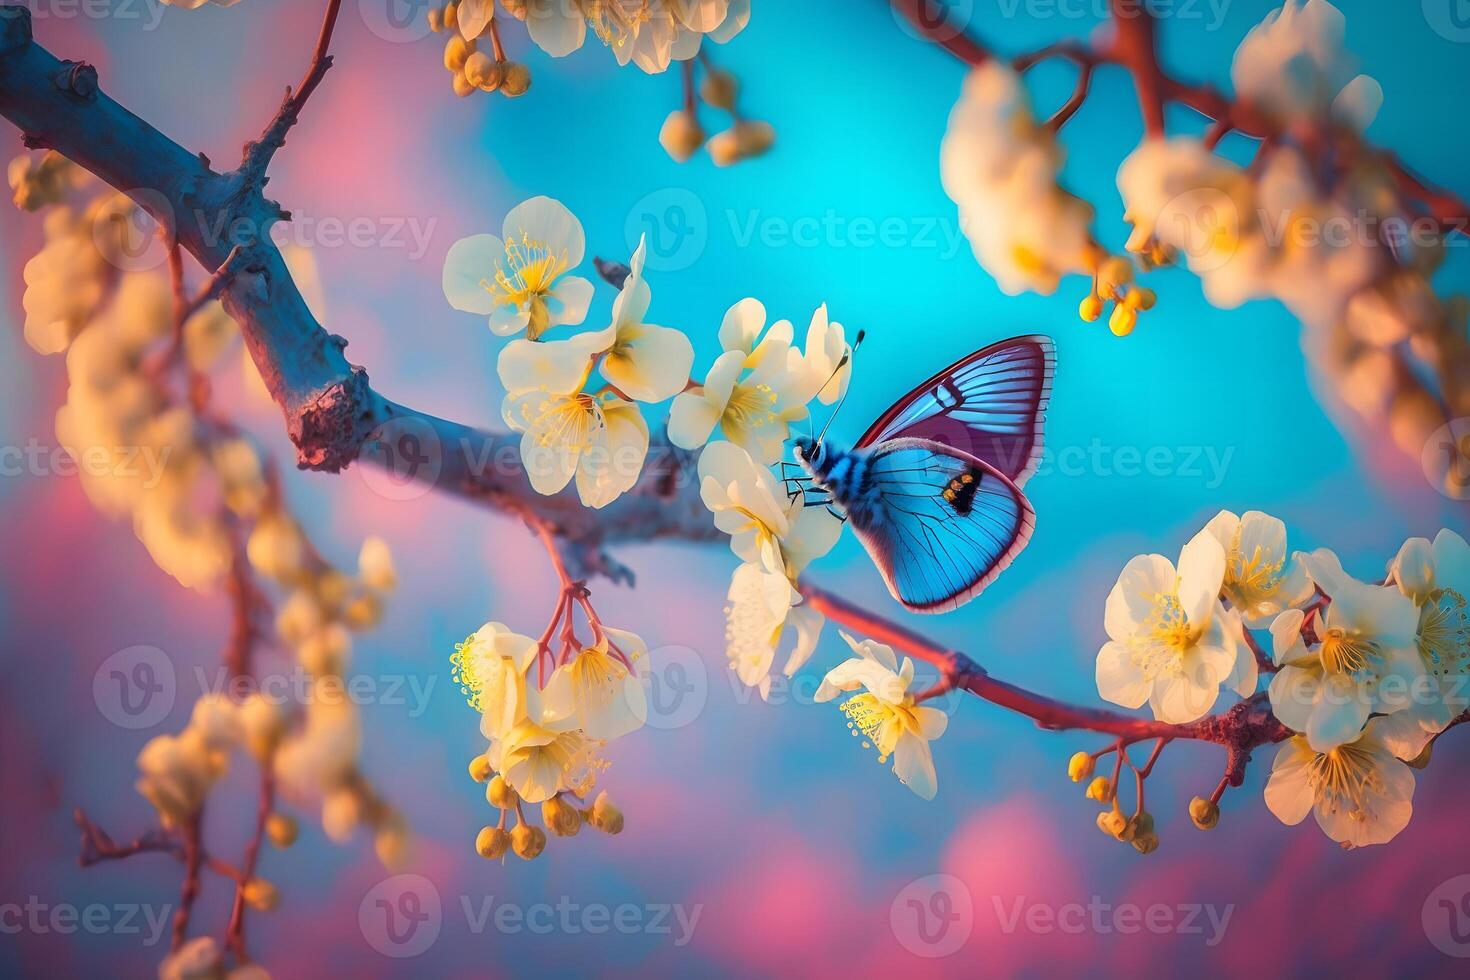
(837, 513)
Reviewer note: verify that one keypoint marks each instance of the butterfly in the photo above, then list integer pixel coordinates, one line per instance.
(933, 488)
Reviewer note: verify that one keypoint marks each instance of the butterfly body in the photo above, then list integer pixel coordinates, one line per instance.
(933, 490)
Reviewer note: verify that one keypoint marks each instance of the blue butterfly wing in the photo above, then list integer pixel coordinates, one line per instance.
(940, 524)
(990, 405)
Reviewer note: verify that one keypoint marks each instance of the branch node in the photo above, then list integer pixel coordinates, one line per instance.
(333, 425)
(77, 78)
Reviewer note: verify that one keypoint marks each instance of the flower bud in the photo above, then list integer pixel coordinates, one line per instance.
(478, 69)
(528, 842)
(724, 148)
(457, 51)
(560, 817)
(1123, 320)
(754, 137)
(461, 85)
(681, 135)
(282, 829)
(450, 16)
(480, 769)
(1091, 308)
(1142, 298)
(1143, 822)
(261, 895)
(436, 19)
(1112, 823)
(492, 842)
(500, 794)
(390, 842)
(719, 89)
(1100, 789)
(517, 80)
(1205, 813)
(1079, 767)
(604, 816)
(1146, 843)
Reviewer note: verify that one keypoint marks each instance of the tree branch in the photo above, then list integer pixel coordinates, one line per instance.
(331, 412)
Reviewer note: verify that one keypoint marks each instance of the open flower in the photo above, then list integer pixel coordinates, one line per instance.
(746, 501)
(1171, 642)
(557, 27)
(519, 280)
(647, 362)
(827, 375)
(1261, 577)
(886, 714)
(1436, 578)
(1293, 66)
(765, 610)
(601, 440)
(1365, 662)
(1000, 167)
(599, 691)
(1360, 792)
(538, 763)
(490, 667)
(754, 410)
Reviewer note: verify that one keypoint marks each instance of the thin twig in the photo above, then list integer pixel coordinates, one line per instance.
(258, 153)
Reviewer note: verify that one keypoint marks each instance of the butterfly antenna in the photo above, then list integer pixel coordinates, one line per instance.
(846, 359)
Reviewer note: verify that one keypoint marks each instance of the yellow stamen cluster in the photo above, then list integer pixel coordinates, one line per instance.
(1157, 647)
(875, 720)
(1346, 779)
(1348, 655)
(472, 69)
(1113, 281)
(1444, 633)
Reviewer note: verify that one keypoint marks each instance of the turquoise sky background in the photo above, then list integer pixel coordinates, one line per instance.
(787, 835)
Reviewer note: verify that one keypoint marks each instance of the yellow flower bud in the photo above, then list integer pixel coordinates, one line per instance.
(500, 794)
(436, 20)
(606, 817)
(1100, 789)
(1146, 843)
(724, 148)
(1142, 298)
(450, 17)
(560, 817)
(719, 89)
(492, 842)
(754, 137)
(479, 768)
(1079, 767)
(261, 895)
(1091, 308)
(462, 86)
(281, 829)
(1123, 320)
(528, 842)
(1112, 823)
(1205, 813)
(363, 612)
(390, 842)
(517, 80)
(457, 51)
(681, 135)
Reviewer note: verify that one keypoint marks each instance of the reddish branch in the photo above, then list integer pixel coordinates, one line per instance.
(235, 931)
(1134, 46)
(258, 153)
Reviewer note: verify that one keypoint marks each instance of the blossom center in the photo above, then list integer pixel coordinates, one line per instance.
(750, 406)
(877, 721)
(1158, 646)
(616, 22)
(474, 671)
(1254, 579)
(1444, 633)
(1346, 778)
(567, 422)
(528, 272)
(1349, 655)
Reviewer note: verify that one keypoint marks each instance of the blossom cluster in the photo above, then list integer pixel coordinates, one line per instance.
(546, 729)
(1365, 673)
(650, 33)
